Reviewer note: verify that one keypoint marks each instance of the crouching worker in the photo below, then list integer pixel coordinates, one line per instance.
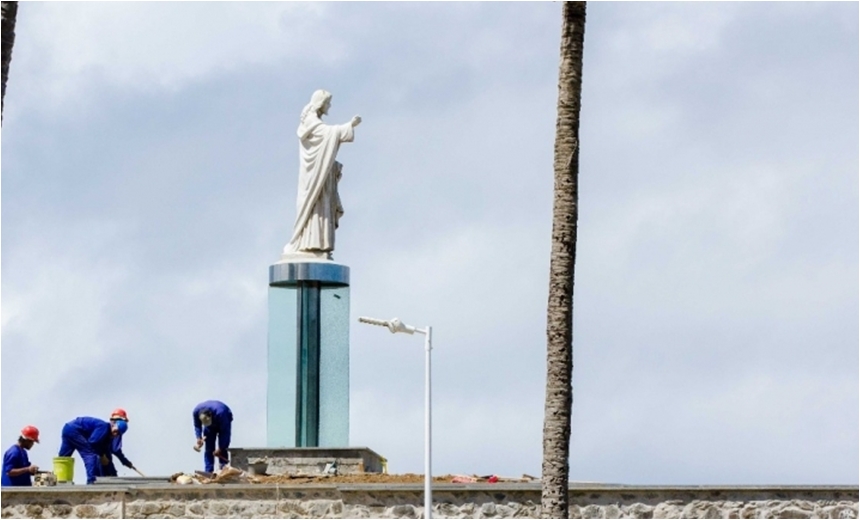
(213, 419)
(93, 439)
(17, 469)
(108, 467)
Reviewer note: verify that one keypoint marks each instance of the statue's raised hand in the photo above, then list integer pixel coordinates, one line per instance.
(355, 121)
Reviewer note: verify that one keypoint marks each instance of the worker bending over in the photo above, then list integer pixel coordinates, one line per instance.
(17, 469)
(213, 419)
(93, 439)
(109, 469)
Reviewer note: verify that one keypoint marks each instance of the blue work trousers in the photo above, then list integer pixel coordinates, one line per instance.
(223, 435)
(73, 440)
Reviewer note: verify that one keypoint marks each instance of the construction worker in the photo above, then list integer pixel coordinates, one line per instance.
(109, 470)
(17, 470)
(213, 419)
(93, 439)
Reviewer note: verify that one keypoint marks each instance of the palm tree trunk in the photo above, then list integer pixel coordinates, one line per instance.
(559, 330)
(10, 14)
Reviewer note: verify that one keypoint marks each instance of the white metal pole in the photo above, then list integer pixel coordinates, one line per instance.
(395, 325)
(428, 474)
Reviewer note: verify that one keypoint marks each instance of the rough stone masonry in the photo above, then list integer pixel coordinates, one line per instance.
(406, 501)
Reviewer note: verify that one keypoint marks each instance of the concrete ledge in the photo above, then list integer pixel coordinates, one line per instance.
(308, 461)
(406, 501)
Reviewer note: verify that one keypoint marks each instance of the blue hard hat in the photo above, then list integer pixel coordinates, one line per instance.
(121, 425)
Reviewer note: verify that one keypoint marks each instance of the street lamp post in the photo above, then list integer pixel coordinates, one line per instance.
(395, 325)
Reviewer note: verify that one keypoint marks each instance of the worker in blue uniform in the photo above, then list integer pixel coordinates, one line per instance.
(109, 469)
(213, 419)
(93, 439)
(17, 469)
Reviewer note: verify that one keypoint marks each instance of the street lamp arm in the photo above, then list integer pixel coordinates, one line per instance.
(394, 325)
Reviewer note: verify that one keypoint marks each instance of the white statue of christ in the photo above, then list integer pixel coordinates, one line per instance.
(317, 201)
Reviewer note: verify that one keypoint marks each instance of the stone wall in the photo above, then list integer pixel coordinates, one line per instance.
(406, 501)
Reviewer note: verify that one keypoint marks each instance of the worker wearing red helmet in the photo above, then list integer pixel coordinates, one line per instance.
(93, 440)
(17, 469)
(108, 467)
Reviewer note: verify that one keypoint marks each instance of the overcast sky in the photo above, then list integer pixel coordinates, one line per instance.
(149, 164)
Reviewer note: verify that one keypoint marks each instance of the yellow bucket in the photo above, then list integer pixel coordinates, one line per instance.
(64, 468)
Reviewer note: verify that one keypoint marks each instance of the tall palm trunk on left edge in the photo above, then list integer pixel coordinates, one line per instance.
(10, 14)
(559, 330)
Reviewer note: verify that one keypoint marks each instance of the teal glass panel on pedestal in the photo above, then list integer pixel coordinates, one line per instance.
(334, 367)
(282, 355)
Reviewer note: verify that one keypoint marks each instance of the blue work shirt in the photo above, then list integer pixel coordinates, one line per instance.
(221, 415)
(116, 449)
(96, 432)
(14, 458)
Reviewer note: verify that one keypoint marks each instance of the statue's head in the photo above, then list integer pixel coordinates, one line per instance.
(320, 102)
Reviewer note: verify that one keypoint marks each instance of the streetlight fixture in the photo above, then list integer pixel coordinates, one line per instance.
(395, 325)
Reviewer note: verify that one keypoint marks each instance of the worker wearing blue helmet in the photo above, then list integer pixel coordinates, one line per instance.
(93, 440)
(213, 419)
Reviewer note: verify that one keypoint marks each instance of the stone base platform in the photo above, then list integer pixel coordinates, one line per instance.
(308, 461)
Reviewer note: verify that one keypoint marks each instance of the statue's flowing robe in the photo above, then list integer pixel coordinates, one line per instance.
(317, 200)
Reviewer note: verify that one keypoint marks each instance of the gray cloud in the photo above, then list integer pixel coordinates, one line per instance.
(146, 192)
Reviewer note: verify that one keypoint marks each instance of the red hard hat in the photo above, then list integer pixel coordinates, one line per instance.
(31, 433)
(119, 413)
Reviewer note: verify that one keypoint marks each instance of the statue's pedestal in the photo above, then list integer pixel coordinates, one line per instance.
(308, 354)
(308, 461)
